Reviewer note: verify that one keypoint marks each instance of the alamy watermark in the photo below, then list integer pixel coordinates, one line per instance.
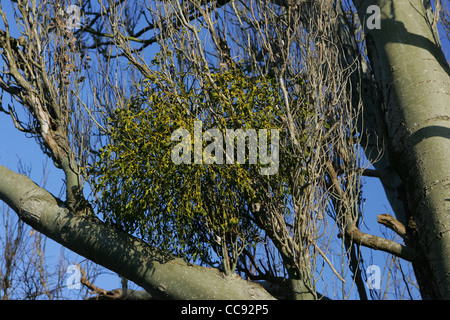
(374, 20)
(374, 279)
(72, 17)
(74, 20)
(215, 151)
(74, 280)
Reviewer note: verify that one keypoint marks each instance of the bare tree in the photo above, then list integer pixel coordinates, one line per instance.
(345, 91)
(26, 272)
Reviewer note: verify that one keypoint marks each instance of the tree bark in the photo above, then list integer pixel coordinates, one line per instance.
(413, 75)
(162, 275)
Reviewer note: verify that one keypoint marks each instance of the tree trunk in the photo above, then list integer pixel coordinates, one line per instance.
(413, 75)
(162, 275)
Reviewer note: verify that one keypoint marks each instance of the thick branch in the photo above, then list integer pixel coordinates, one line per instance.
(375, 173)
(379, 243)
(161, 274)
(119, 294)
(116, 294)
(392, 223)
(409, 66)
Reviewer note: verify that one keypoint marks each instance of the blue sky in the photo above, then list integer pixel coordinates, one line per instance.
(15, 146)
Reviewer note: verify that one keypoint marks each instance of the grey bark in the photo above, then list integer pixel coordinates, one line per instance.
(413, 77)
(162, 275)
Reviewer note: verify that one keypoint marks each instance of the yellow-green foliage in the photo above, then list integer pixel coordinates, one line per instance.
(180, 207)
